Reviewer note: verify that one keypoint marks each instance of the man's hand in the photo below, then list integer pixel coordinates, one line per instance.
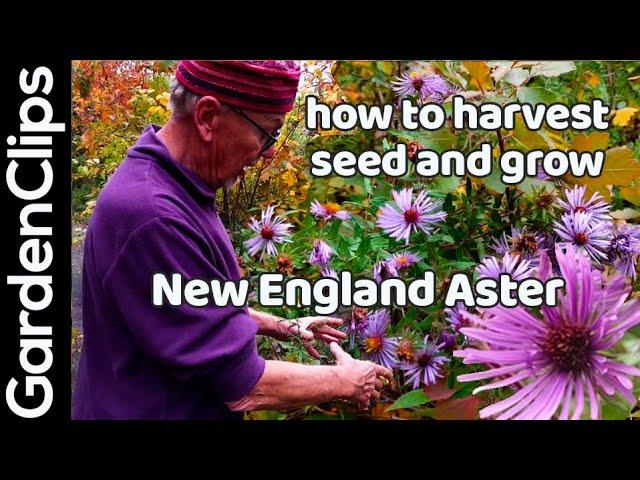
(310, 329)
(316, 328)
(365, 378)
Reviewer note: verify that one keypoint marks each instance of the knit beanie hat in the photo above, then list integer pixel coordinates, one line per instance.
(262, 85)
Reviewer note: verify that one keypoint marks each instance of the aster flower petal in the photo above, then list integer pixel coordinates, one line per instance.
(576, 203)
(321, 253)
(328, 211)
(561, 360)
(378, 347)
(420, 214)
(271, 229)
(426, 365)
(580, 231)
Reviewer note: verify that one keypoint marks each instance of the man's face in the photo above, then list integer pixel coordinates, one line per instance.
(239, 142)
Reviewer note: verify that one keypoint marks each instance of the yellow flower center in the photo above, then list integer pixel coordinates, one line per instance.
(331, 208)
(372, 344)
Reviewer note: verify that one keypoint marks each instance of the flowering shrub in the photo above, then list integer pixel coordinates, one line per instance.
(580, 359)
(112, 103)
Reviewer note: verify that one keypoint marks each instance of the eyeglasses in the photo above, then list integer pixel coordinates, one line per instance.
(271, 137)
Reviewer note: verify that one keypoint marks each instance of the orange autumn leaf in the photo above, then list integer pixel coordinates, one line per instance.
(619, 169)
(459, 409)
(631, 194)
(479, 76)
(379, 412)
(438, 391)
(590, 142)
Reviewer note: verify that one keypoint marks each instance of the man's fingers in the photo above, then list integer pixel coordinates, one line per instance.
(319, 322)
(338, 353)
(379, 384)
(333, 332)
(333, 322)
(306, 335)
(383, 372)
(328, 338)
(312, 351)
(375, 395)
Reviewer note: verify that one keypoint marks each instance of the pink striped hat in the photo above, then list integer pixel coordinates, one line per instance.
(263, 85)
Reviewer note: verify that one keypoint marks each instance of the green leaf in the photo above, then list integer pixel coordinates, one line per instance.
(534, 95)
(336, 182)
(438, 140)
(516, 76)
(465, 390)
(364, 247)
(493, 181)
(552, 69)
(335, 230)
(463, 265)
(529, 183)
(408, 400)
(367, 186)
(615, 409)
(445, 184)
(343, 247)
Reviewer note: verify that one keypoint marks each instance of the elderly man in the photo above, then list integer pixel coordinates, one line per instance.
(157, 214)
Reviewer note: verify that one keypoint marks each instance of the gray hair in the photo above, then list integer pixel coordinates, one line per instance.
(181, 101)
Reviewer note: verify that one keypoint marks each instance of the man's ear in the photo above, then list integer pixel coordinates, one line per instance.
(205, 117)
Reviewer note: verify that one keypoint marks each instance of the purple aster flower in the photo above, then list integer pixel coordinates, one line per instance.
(521, 243)
(384, 269)
(561, 359)
(447, 340)
(356, 323)
(576, 203)
(541, 174)
(426, 87)
(329, 273)
(321, 253)
(579, 230)
(377, 346)
(426, 365)
(271, 229)
(328, 211)
(548, 245)
(517, 269)
(403, 260)
(413, 215)
(458, 316)
(624, 248)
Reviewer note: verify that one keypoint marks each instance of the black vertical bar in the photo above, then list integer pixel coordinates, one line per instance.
(29, 176)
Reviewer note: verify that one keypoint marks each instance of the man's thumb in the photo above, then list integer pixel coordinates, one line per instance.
(338, 352)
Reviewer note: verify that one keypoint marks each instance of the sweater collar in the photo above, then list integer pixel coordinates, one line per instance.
(150, 146)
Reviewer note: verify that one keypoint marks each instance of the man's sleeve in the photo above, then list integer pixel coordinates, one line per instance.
(212, 344)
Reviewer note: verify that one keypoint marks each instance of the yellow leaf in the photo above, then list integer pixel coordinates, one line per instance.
(526, 138)
(620, 169)
(590, 142)
(622, 116)
(631, 194)
(289, 178)
(386, 67)
(163, 99)
(593, 79)
(479, 76)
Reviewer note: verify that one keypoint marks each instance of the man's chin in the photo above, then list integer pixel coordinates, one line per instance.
(231, 182)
